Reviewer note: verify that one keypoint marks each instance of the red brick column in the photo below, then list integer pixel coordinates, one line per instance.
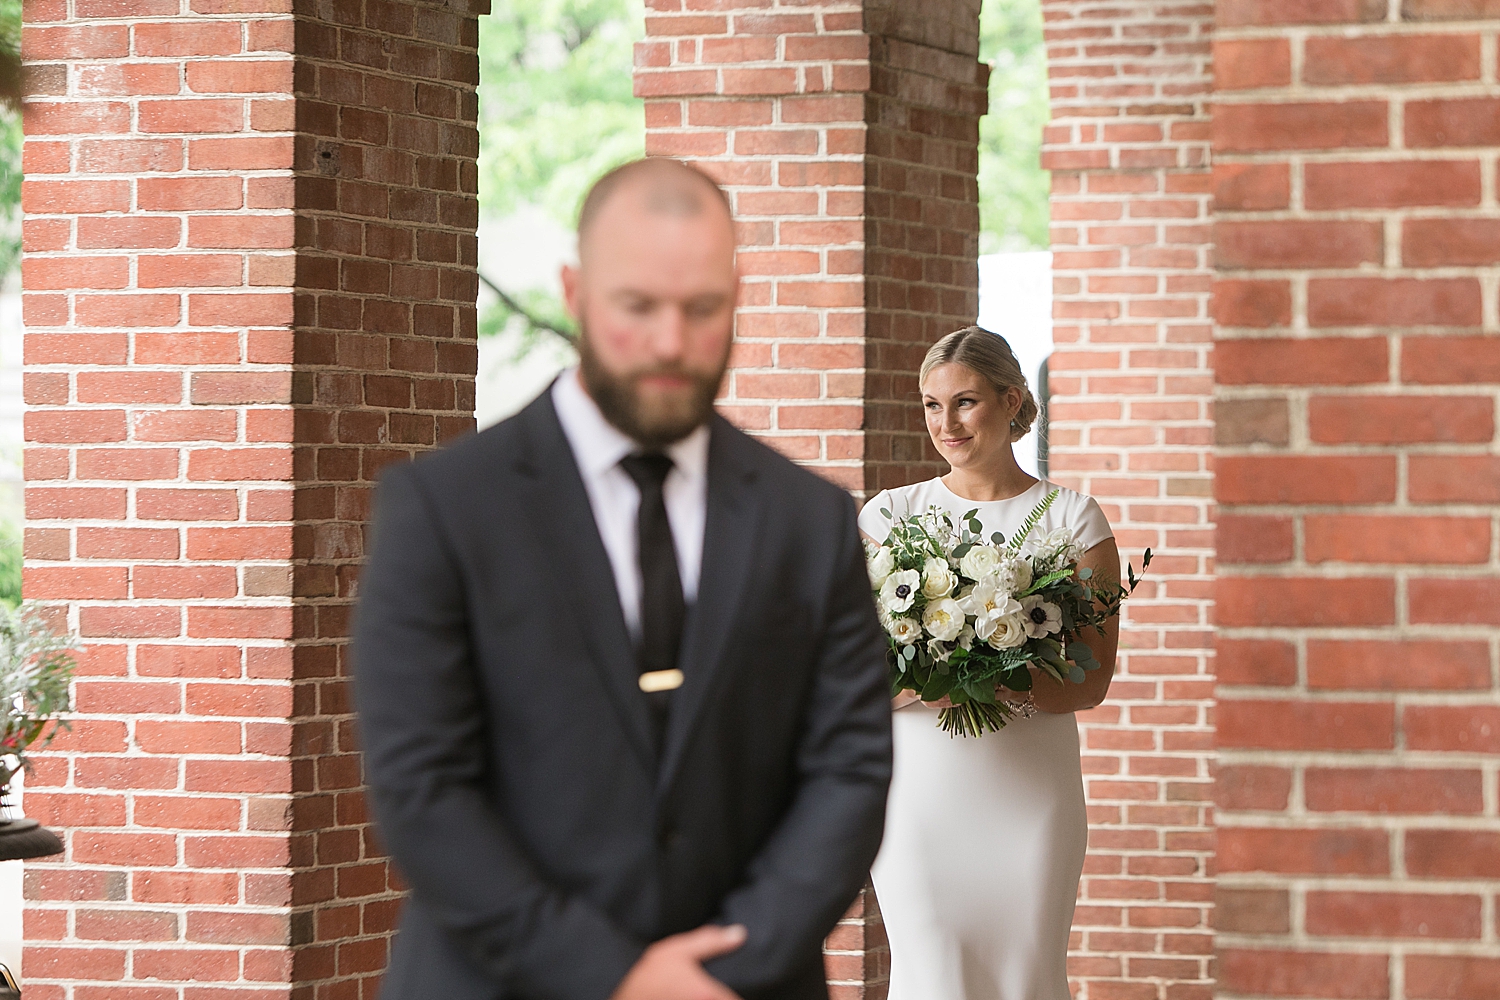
(1131, 424)
(848, 140)
(222, 348)
(1358, 363)
(847, 137)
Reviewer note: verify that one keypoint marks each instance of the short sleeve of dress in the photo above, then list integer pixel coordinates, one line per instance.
(871, 521)
(1090, 527)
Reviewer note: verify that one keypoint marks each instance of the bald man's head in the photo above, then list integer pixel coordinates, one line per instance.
(654, 293)
(657, 185)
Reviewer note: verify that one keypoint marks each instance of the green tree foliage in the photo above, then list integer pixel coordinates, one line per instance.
(10, 562)
(1013, 187)
(10, 135)
(556, 110)
(556, 107)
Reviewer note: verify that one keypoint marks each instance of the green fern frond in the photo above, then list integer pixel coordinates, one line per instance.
(1032, 520)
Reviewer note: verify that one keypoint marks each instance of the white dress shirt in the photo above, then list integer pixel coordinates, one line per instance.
(598, 447)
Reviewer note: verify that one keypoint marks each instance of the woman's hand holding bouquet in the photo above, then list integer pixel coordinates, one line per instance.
(967, 618)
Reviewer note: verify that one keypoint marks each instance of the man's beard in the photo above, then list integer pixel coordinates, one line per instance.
(653, 422)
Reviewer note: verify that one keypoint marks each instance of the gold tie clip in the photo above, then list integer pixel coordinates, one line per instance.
(661, 680)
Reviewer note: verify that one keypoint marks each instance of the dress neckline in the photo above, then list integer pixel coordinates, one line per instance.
(984, 503)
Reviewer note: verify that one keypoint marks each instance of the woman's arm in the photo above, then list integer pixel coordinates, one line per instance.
(1059, 699)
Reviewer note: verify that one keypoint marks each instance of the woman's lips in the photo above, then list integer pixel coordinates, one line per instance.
(956, 442)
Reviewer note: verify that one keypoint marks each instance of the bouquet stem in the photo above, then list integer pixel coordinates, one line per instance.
(974, 718)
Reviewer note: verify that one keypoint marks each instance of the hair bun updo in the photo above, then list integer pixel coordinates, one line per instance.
(988, 355)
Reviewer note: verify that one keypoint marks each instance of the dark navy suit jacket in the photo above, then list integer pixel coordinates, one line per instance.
(509, 751)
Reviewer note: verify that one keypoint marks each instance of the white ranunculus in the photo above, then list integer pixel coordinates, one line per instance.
(905, 630)
(979, 562)
(1040, 617)
(899, 590)
(937, 579)
(881, 563)
(1009, 631)
(943, 619)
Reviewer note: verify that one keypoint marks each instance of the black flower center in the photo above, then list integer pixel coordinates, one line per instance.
(903, 590)
(1038, 615)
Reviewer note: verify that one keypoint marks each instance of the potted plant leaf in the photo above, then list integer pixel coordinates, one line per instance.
(36, 670)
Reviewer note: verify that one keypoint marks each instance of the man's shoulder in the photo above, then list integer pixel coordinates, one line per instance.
(481, 459)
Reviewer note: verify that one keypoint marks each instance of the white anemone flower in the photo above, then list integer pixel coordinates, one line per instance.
(1041, 617)
(899, 590)
(937, 579)
(943, 619)
(905, 630)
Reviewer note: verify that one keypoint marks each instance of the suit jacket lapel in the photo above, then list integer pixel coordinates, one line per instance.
(561, 509)
(728, 551)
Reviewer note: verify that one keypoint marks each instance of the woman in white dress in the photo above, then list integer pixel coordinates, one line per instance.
(985, 837)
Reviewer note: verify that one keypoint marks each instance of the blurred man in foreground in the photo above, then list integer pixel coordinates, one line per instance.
(620, 681)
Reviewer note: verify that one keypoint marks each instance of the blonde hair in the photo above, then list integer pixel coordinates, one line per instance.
(989, 356)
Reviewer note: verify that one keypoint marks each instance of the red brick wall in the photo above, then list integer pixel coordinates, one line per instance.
(1131, 424)
(927, 93)
(858, 239)
(244, 292)
(1357, 365)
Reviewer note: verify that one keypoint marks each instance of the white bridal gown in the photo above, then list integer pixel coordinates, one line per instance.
(984, 838)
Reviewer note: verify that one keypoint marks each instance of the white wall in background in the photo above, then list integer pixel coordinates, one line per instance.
(12, 408)
(1015, 301)
(524, 250)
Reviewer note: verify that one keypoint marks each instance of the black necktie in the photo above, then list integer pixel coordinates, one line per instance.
(662, 606)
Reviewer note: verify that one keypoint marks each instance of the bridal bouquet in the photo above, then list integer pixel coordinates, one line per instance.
(967, 616)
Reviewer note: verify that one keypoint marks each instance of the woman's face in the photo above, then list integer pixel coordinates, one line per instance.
(968, 419)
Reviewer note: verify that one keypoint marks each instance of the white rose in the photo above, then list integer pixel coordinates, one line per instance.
(1009, 631)
(1040, 617)
(1020, 574)
(943, 619)
(899, 590)
(905, 630)
(979, 562)
(937, 579)
(881, 563)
